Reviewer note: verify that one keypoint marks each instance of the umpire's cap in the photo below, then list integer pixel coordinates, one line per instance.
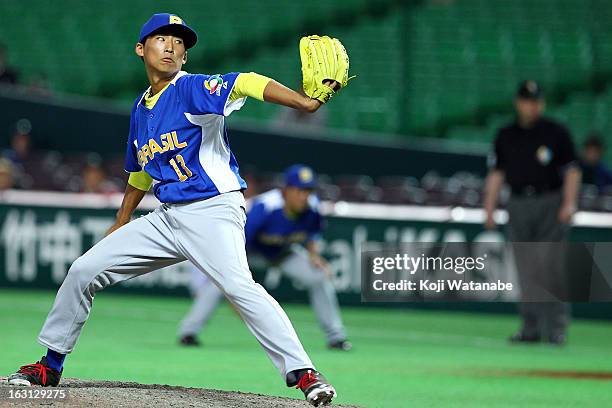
(300, 176)
(171, 23)
(530, 89)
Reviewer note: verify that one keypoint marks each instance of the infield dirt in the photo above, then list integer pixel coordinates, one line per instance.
(111, 394)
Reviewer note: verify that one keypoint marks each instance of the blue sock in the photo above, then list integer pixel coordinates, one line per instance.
(55, 360)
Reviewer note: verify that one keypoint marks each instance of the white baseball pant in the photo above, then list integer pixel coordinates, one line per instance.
(208, 233)
(296, 266)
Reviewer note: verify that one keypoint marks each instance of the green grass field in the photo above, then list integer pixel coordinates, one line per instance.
(400, 358)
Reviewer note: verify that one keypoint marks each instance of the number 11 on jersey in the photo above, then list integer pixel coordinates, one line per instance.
(182, 177)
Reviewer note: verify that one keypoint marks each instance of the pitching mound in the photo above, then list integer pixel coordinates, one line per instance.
(81, 393)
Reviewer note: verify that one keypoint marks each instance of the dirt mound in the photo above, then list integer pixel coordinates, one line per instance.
(82, 393)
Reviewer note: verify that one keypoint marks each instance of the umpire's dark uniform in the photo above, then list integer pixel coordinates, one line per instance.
(534, 160)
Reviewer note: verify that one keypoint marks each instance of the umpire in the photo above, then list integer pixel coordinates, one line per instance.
(536, 157)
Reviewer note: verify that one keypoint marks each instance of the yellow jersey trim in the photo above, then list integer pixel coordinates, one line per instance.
(249, 84)
(140, 180)
(150, 101)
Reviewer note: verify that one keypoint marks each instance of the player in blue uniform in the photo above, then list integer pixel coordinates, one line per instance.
(283, 227)
(178, 143)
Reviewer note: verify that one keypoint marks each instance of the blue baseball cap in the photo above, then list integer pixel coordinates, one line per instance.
(170, 22)
(300, 176)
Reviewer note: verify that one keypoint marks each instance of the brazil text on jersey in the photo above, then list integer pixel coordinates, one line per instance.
(169, 142)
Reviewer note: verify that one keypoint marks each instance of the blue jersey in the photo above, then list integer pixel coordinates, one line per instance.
(270, 232)
(182, 141)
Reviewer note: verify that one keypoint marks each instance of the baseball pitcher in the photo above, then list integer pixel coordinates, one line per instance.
(178, 144)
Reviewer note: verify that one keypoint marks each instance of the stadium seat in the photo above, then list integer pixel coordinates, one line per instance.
(420, 67)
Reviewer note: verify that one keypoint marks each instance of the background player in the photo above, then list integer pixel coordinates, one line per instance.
(178, 139)
(283, 227)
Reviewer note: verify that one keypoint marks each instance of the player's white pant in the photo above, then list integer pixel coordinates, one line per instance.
(296, 266)
(210, 234)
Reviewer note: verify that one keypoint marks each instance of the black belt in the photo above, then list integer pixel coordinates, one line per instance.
(531, 191)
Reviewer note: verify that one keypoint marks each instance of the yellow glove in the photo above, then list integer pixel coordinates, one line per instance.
(323, 59)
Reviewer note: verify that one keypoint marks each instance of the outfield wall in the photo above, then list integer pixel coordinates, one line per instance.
(42, 233)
